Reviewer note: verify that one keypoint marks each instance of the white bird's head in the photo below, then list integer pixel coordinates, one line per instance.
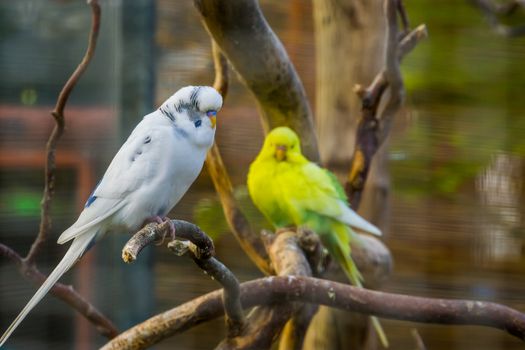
(193, 110)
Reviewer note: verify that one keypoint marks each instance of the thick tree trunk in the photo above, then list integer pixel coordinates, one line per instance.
(350, 49)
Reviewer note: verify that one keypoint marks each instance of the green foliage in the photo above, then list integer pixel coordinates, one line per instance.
(21, 203)
(209, 216)
(464, 88)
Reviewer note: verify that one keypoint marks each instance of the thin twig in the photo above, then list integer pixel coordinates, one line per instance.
(420, 345)
(392, 71)
(220, 64)
(286, 289)
(26, 265)
(239, 225)
(374, 126)
(63, 292)
(58, 130)
(404, 16)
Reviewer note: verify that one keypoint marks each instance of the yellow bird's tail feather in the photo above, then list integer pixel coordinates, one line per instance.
(338, 246)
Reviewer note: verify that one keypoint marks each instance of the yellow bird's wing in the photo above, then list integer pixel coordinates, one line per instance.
(317, 190)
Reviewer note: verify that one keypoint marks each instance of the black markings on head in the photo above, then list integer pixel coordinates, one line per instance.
(194, 98)
(147, 139)
(192, 104)
(167, 114)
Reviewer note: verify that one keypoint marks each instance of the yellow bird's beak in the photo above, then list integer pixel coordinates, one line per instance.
(280, 152)
(213, 120)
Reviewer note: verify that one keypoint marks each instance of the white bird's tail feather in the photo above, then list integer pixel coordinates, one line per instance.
(74, 253)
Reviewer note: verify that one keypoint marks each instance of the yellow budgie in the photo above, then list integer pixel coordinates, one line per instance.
(292, 191)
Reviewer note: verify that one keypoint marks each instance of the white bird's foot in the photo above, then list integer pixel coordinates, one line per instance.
(171, 228)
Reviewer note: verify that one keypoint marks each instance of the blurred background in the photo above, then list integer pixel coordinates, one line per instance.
(456, 158)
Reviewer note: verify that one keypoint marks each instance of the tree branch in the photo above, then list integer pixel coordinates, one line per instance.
(26, 265)
(374, 126)
(286, 289)
(58, 130)
(201, 249)
(257, 55)
(157, 232)
(264, 324)
(63, 292)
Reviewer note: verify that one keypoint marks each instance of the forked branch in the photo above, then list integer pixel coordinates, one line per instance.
(374, 125)
(58, 130)
(63, 292)
(200, 247)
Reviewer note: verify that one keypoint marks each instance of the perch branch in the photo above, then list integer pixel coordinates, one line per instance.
(265, 323)
(257, 55)
(239, 225)
(201, 248)
(157, 232)
(374, 126)
(63, 292)
(286, 252)
(286, 289)
(58, 130)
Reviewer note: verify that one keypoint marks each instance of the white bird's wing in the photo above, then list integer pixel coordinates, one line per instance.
(131, 166)
(91, 216)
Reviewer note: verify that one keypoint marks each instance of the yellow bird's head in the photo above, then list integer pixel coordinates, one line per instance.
(282, 144)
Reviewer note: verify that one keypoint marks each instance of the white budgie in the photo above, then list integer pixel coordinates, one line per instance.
(149, 174)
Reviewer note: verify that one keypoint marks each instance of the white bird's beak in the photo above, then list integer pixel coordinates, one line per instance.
(213, 118)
